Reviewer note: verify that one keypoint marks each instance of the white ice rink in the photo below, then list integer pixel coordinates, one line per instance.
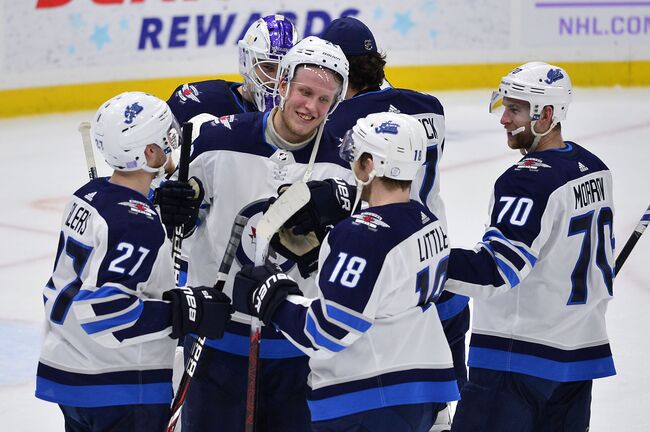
(44, 163)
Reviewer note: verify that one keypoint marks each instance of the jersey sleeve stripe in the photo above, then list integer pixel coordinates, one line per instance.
(353, 321)
(506, 271)
(318, 339)
(101, 293)
(114, 306)
(114, 322)
(507, 254)
(525, 251)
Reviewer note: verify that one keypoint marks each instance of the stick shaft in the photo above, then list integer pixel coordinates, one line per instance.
(631, 242)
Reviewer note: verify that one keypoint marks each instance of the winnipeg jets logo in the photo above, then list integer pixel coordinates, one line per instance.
(188, 92)
(553, 75)
(388, 127)
(367, 44)
(531, 164)
(131, 112)
(225, 120)
(139, 208)
(371, 220)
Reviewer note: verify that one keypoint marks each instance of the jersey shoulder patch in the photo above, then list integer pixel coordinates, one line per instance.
(370, 220)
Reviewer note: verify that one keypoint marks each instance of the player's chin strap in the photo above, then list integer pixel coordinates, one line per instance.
(158, 172)
(314, 151)
(360, 186)
(538, 136)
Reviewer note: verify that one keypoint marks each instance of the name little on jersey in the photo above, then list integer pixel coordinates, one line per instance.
(589, 192)
(432, 243)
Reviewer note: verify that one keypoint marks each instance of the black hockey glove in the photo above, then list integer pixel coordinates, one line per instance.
(300, 237)
(203, 311)
(330, 202)
(258, 291)
(179, 203)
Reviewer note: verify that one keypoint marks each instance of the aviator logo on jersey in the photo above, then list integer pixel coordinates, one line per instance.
(246, 250)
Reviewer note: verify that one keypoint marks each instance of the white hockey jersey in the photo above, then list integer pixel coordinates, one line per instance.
(542, 276)
(428, 110)
(372, 334)
(240, 170)
(106, 331)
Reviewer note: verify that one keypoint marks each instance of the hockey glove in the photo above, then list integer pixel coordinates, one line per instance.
(331, 202)
(258, 291)
(301, 249)
(179, 203)
(203, 311)
(300, 237)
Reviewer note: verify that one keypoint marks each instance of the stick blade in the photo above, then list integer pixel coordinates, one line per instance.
(287, 204)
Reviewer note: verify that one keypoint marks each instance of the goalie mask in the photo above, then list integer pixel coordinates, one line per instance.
(124, 126)
(320, 53)
(540, 84)
(397, 143)
(266, 41)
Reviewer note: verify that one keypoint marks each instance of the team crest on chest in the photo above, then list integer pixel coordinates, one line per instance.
(531, 164)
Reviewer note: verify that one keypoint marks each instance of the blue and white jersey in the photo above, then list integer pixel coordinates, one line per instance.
(542, 276)
(216, 97)
(426, 186)
(240, 170)
(372, 335)
(107, 328)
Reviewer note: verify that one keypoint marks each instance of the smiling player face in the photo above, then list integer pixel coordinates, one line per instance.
(312, 92)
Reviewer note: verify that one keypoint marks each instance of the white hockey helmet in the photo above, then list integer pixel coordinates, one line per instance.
(397, 143)
(315, 51)
(266, 41)
(538, 83)
(125, 124)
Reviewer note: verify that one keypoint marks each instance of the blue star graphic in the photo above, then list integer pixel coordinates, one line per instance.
(403, 22)
(76, 21)
(124, 24)
(378, 12)
(430, 6)
(100, 36)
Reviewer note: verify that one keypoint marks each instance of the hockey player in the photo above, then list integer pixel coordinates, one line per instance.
(111, 308)
(379, 272)
(239, 160)
(542, 275)
(364, 97)
(264, 44)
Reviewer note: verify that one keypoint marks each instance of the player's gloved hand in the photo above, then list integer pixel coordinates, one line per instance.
(330, 202)
(203, 311)
(300, 237)
(301, 249)
(258, 291)
(179, 203)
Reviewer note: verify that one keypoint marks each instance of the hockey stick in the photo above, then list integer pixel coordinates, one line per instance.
(631, 242)
(84, 130)
(287, 204)
(199, 343)
(183, 170)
